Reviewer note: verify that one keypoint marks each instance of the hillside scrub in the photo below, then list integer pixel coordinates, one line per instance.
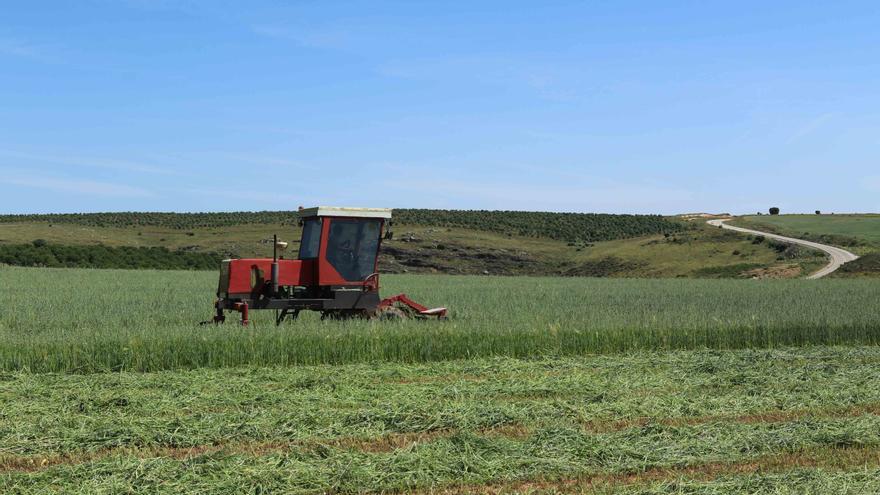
(867, 265)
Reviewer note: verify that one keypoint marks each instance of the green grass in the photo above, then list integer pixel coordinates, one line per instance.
(837, 229)
(641, 423)
(95, 320)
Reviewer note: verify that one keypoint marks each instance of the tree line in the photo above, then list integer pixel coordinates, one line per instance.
(571, 227)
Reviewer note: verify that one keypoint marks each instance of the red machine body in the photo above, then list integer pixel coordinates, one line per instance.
(241, 281)
(336, 273)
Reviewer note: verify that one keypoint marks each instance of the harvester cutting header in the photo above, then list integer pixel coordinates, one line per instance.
(336, 273)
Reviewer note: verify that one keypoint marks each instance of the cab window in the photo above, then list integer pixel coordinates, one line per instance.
(352, 247)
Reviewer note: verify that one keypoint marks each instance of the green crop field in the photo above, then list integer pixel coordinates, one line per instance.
(535, 385)
(82, 320)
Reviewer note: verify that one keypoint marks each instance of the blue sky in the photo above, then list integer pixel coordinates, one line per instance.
(633, 107)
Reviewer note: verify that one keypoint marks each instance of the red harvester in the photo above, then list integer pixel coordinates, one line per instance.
(336, 273)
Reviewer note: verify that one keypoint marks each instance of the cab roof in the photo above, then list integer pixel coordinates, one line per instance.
(339, 211)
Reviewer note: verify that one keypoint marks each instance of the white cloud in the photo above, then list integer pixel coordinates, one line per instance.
(607, 197)
(809, 127)
(248, 199)
(93, 162)
(16, 49)
(84, 187)
(254, 159)
(339, 38)
(544, 81)
(872, 183)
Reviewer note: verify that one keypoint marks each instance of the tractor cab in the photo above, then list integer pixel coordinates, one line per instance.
(336, 273)
(341, 245)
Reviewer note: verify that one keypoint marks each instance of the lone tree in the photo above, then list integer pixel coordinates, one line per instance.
(818, 212)
(774, 211)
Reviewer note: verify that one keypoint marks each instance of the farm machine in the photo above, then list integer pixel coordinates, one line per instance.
(336, 273)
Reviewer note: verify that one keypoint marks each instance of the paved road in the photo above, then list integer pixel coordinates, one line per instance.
(836, 255)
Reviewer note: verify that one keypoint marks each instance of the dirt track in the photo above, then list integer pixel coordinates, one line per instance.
(836, 255)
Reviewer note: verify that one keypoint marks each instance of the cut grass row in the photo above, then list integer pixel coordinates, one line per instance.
(655, 418)
(463, 463)
(99, 320)
(54, 414)
(824, 470)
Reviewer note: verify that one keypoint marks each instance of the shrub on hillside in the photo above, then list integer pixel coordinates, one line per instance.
(868, 264)
(96, 256)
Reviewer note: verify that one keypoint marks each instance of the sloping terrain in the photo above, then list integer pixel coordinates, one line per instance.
(836, 256)
(858, 233)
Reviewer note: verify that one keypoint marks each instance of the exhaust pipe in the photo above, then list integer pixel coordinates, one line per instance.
(275, 265)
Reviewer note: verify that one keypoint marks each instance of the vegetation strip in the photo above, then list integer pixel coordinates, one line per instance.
(42, 254)
(102, 320)
(385, 443)
(817, 458)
